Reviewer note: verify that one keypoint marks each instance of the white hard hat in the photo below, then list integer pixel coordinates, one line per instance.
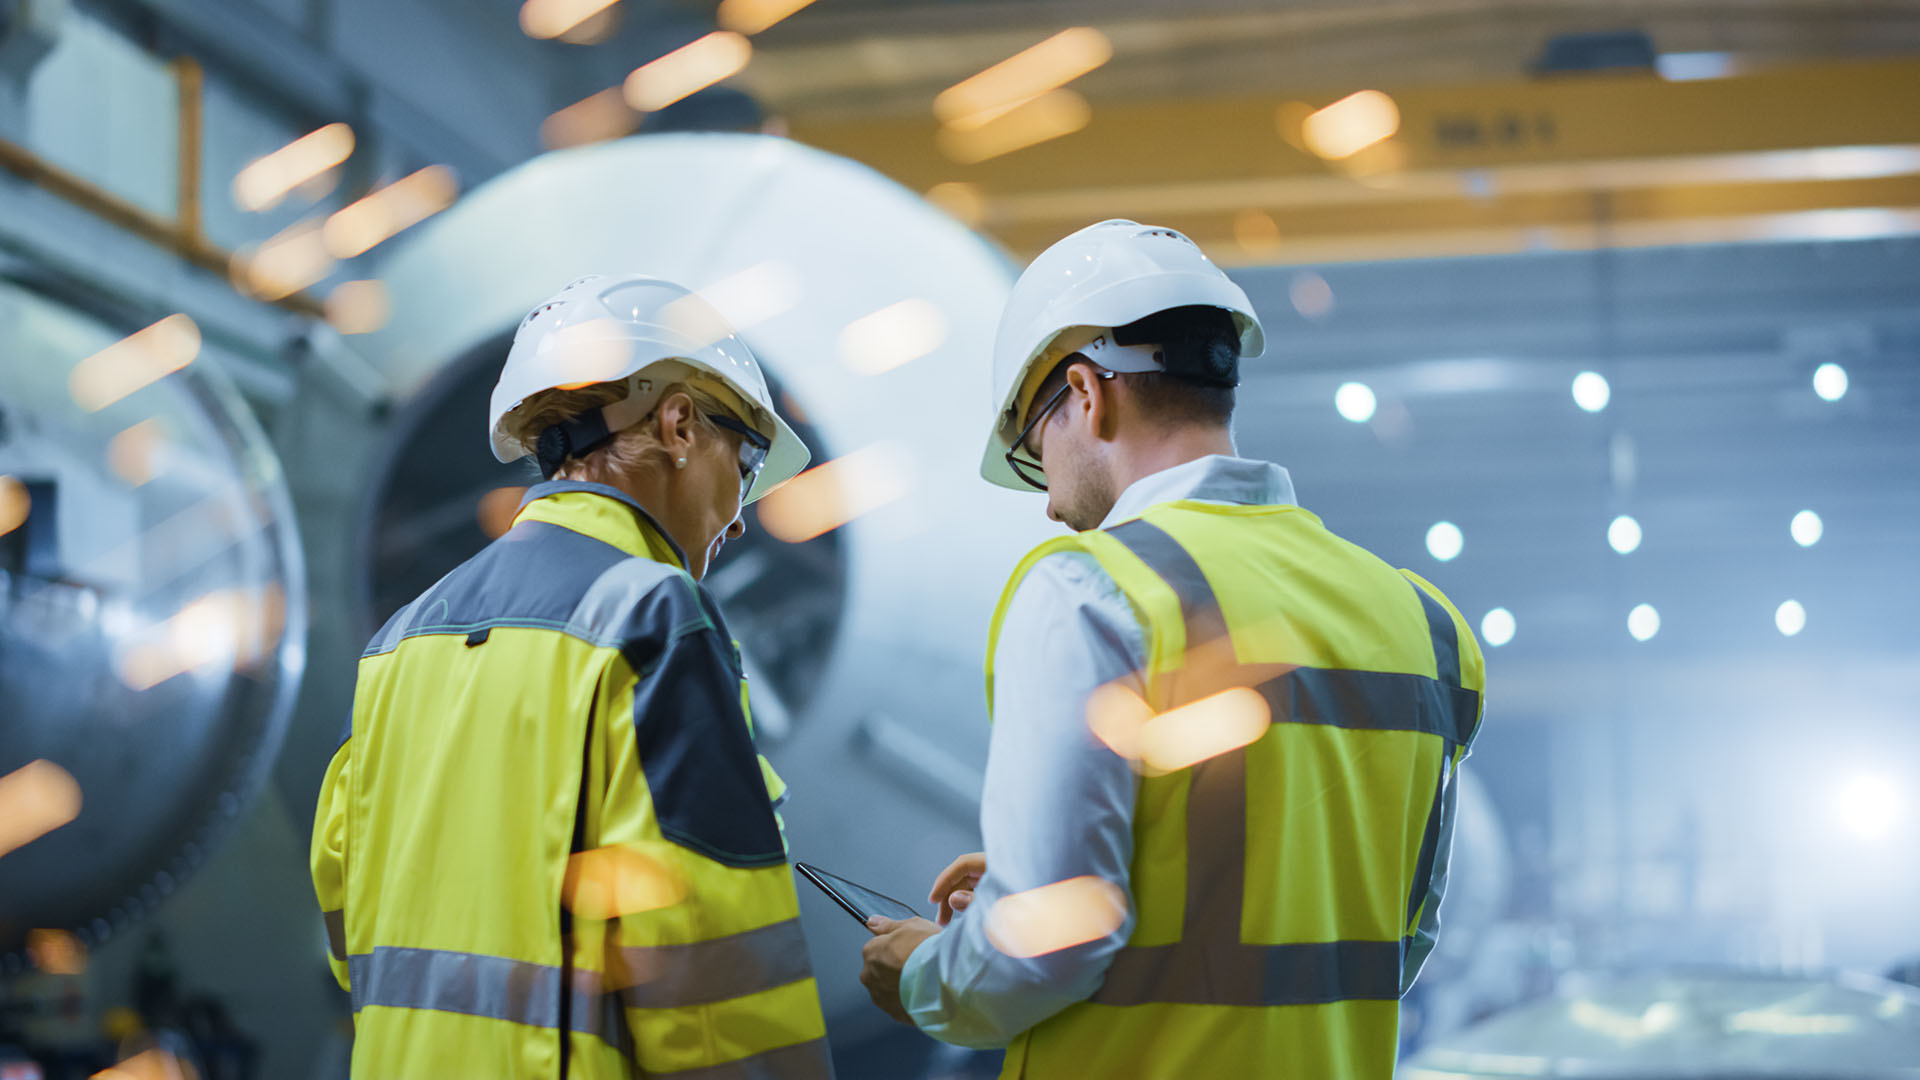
(650, 333)
(1104, 276)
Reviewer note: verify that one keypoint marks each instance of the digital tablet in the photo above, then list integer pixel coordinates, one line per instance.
(859, 901)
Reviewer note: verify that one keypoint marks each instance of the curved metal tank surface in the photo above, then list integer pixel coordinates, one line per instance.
(865, 646)
(152, 619)
(1705, 1025)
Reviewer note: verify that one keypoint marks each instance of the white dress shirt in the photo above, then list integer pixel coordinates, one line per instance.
(1057, 803)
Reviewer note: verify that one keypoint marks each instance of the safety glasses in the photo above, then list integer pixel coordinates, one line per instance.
(1031, 471)
(753, 449)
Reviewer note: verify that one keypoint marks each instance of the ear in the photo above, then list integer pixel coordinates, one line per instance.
(678, 420)
(1095, 397)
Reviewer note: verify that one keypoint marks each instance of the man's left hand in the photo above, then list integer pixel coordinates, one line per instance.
(893, 941)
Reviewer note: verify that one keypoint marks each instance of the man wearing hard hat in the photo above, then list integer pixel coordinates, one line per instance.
(546, 846)
(1219, 793)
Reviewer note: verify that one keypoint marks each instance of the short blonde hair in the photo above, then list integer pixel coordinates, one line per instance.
(632, 451)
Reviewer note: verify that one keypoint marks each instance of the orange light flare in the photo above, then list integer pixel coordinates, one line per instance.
(894, 335)
(56, 952)
(1380, 165)
(833, 493)
(355, 229)
(548, 19)
(963, 200)
(268, 180)
(619, 879)
(1256, 232)
(15, 504)
(754, 16)
(594, 118)
(1349, 125)
(35, 799)
(138, 454)
(687, 70)
(240, 626)
(497, 509)
(1050, 116)
(153, 1064)
(358, 307)
(283, 264)
(135, 361)
(1212, 720)
(1057, 916)
(1021, 78)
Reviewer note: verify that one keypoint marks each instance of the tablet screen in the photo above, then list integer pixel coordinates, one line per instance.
(858, 900)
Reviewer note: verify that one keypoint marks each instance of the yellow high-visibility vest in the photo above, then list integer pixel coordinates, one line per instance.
(1276, 885)
(548, 817)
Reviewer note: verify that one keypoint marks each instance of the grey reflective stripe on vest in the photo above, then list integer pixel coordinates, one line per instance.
(662, 977)
(470, 983)
(1156, 547)
(801, 1061)
(668, 976)
(1446, 639)
(1209, 965)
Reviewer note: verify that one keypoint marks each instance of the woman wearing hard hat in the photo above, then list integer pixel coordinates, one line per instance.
(547, 846)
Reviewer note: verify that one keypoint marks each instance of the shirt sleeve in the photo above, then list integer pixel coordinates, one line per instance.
(1057, 804)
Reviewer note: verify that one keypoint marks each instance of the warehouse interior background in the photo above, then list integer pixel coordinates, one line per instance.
(1603, 316)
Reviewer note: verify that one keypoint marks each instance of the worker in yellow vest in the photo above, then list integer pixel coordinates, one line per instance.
(1220, 787)
(545, 846)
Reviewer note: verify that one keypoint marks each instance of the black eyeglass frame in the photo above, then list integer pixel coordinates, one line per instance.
(1020, 467)
(753, 449)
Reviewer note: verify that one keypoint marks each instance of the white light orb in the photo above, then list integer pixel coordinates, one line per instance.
(1806, 528)
(1643, 622)
(1624, 534)
(1497, 627)
(1590, 391)
(1830, 382)
(1444, 541)
(1790, 617)
(1355, 401)
(1867, 806)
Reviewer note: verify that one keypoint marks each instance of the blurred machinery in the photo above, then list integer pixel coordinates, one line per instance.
(1692, 1026)
(152, 615)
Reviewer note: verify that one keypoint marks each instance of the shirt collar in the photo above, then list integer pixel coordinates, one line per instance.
(580, 506)
(1214, 478)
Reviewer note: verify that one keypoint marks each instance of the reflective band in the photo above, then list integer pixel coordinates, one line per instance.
(1156, 547)
(1372, 701)
(801, 1061)
(1446, 639)
(490, 986)
(1310, 974)
(661, 977)
(336, 922)
(670, 976)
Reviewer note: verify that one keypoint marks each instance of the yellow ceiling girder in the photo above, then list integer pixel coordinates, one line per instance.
(1624, 158)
